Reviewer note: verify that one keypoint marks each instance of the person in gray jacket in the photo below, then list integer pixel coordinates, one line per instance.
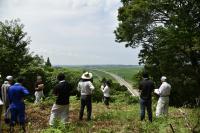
(86, 87)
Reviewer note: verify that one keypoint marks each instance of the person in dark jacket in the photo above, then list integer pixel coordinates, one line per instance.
(16, 94)
(60, 109)
(146, 88)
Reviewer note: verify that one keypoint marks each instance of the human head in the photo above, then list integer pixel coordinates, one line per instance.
(61, 77)
(9, 79)
(20, 80)
(86, 76)
(108, 83)
(39, 78)
(145, 75)
(163, 79)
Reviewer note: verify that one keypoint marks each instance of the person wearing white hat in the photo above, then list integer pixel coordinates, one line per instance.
(4, 89)
(86, 87)
(163, 101)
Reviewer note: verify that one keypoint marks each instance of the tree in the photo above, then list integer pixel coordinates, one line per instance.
(168, 32)
(48, 63)
(14, 51)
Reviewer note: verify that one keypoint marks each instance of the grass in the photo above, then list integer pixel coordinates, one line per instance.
(125, 72)
(121, 118)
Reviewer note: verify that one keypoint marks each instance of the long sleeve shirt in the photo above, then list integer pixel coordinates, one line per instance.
(146, 88)
(85, 87)
(106, 91)
(16, 93)
(62, 91)
(4, 95)
(164, 90)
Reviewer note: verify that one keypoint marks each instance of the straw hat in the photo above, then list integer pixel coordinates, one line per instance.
(87, 75)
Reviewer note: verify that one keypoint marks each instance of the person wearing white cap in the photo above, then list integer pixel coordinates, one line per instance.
(86, 87)
(163, 101)
(4, 90)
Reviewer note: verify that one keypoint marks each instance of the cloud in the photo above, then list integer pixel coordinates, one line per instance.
(81, 31)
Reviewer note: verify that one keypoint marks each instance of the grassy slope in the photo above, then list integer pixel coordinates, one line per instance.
(121, 118)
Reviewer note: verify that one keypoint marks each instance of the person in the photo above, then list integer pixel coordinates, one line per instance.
(1, 108)
(39, 86)
(4, 89)
(85, 87)
(16, 94)
(163, 101)
(146, 87)
(106, 93)
(60, 109)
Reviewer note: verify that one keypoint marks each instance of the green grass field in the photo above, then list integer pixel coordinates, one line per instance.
(126, 72)
(120, 118)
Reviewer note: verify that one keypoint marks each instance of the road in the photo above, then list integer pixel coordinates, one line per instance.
(121, 81)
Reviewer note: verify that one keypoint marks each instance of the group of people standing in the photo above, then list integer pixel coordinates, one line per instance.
(12, 95)
(146, 88)
(60, 109)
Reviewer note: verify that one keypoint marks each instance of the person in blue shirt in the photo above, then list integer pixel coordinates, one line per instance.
(16, 95)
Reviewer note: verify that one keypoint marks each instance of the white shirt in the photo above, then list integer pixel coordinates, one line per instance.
(86, 87)
(164, 89)
(106, 91)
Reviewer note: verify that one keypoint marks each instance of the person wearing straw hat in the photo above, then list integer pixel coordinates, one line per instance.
(163, 101)
(86, 87)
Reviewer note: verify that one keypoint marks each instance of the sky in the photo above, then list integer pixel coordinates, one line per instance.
(71, 32)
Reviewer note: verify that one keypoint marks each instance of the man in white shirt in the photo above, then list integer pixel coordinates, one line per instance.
(4, 89)
(86, 87)
(163, 101)
(106, 93)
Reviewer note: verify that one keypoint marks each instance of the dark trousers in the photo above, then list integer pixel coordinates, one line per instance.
(86, 100)
(145, 104)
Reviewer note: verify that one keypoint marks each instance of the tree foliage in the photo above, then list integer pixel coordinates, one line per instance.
(14, 51)
(168, 32)
(48, 63)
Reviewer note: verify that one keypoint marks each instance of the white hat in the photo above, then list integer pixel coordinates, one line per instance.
(163, 78)
(86, 75)
(10, 78)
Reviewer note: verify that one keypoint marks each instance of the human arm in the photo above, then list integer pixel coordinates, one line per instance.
(25, 91)
(79, 87)
(91, 86)
(39, 87)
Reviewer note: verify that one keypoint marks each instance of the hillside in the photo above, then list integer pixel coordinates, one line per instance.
(121, 118)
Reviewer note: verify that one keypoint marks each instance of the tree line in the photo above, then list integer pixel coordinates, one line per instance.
(168, 33)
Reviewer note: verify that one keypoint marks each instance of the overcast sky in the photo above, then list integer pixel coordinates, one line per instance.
(71, 32)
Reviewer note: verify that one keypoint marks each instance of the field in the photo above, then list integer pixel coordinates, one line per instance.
(121, 118)
(126, 72)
